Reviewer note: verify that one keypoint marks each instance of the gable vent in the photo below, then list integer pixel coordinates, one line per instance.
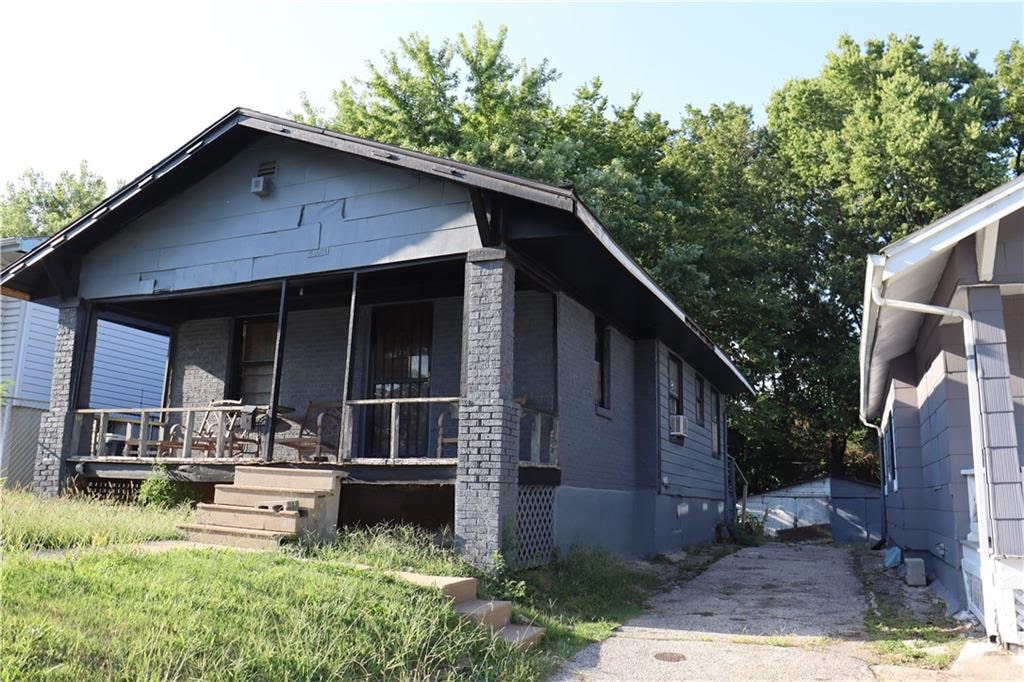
(267, 169)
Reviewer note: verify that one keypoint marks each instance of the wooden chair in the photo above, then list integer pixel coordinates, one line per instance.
(204, 436)
(319, 432)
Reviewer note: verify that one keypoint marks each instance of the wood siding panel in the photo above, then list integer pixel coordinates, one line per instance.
(688, 467)
(325, 212)
(128, 367)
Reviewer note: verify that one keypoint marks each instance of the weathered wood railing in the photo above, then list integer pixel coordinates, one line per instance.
(394, 412)
(538, 436)
(212, 431)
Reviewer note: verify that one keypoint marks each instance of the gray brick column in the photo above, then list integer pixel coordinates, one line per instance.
(1002, 463)
(58, 436)
(486, 488)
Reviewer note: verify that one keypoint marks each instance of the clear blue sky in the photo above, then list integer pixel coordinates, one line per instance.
(122, 84)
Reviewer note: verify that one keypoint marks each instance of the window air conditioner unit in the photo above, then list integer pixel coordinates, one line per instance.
(678, 425)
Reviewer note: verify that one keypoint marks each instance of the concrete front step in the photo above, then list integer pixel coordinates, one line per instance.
(521, 637)
(493, 614)
(287, 479)
(457, 589)
(246, 538)
(248, 517)
(252, 496)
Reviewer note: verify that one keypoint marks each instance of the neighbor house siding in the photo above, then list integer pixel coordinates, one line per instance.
(324, 213)
(128, 367)
(687, 465)
(29, 333)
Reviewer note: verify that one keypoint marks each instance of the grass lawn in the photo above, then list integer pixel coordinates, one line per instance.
(29, 523)
(301, 614)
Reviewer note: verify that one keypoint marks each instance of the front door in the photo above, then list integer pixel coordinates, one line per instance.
(400, 368)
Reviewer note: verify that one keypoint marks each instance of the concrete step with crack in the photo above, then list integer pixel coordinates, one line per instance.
(247, 538)
(253, 496)
(494, 614)
(236, 516)
(522, 637)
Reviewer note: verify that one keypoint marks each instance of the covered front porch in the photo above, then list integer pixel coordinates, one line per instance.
(264, 374)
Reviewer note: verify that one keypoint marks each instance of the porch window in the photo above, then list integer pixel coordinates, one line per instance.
(698, 399)
(602, 363)
(255, 369)
(716, 423)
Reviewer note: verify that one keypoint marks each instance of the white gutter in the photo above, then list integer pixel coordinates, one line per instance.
(876, 267)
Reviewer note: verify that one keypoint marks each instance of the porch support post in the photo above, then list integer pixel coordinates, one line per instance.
(1001, 474)
(345, 444)
(60, 430)
(486, 486)
(275, 386)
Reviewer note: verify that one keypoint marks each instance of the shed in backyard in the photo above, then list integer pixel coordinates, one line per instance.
(850, 509)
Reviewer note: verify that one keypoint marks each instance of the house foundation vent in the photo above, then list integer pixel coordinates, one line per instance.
(535, 524)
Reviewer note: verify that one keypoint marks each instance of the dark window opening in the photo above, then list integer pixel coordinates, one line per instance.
(716, 423)
(254, 369)
(698, 399)
(602, 363)
(675, 385)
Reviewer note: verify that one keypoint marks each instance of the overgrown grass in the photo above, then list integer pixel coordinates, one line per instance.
(29, 523)
(895, 635)
(579, 599)
(226, 615)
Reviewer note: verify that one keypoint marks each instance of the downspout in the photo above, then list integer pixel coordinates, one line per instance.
(977, 440)
(881, 464)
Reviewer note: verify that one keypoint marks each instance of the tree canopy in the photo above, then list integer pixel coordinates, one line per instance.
(34, 206)
(759, 231)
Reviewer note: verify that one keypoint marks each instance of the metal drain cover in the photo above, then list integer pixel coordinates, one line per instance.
(669, 656)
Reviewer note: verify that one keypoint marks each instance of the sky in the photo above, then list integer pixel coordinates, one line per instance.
(123, 84)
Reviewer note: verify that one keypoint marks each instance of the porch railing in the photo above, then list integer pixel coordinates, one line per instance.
(351, 450)
(214, 432)
(538, 436)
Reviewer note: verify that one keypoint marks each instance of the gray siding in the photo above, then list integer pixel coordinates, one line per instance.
(594, 451)
(688, 467)
(128, 367)
(325, 212)
(28, 335)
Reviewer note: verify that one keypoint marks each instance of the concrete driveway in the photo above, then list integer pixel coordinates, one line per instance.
(777, 612)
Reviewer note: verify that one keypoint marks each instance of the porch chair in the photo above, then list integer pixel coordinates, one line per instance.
(319, 433)
(204, 436)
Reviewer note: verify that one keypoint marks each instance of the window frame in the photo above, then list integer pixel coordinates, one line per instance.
(678, 397)
(699, 403)
(602, 365)
(716, 424)
(239, 364)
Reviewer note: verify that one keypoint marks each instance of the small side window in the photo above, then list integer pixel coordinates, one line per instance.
(716, 423)
(602, 363)
(675, 385)
(698, 399)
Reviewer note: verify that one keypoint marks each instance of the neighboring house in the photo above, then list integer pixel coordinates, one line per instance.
(850, 509)
(128, 370)
(512, 372)
(942, 365)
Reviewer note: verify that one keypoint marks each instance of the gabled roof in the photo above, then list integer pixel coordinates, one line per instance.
(909, 269)
(208, 149)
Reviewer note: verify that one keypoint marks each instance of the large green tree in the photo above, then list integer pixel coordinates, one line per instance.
(760, 231)
(34, 206)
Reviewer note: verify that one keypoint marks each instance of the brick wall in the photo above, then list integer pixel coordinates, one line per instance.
(57, 435)
(199, 365)
(487, 471)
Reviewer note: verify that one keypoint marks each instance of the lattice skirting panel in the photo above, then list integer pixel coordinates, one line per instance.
(110, 489)
(19, 438)
(535, 523)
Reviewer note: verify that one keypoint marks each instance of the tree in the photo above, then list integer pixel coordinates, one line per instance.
(33, 206)
(1010, 77)
(760, 232)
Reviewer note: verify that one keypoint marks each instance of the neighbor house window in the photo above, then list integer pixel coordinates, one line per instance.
(716, 423)
(675, 385)
(255, 367)
(889, 455)
(698, 399)
(602, 343)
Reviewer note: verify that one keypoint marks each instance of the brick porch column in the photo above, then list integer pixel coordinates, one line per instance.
(486, 487)
(58, 436)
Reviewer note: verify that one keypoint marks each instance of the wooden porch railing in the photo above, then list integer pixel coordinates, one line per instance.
(394, 421)
(214, 431)
(541, 427)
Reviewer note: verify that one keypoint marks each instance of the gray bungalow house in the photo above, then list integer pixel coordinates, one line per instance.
(470, 348)
(942, 365)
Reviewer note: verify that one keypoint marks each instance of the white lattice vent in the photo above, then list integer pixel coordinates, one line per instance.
(535, 524)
